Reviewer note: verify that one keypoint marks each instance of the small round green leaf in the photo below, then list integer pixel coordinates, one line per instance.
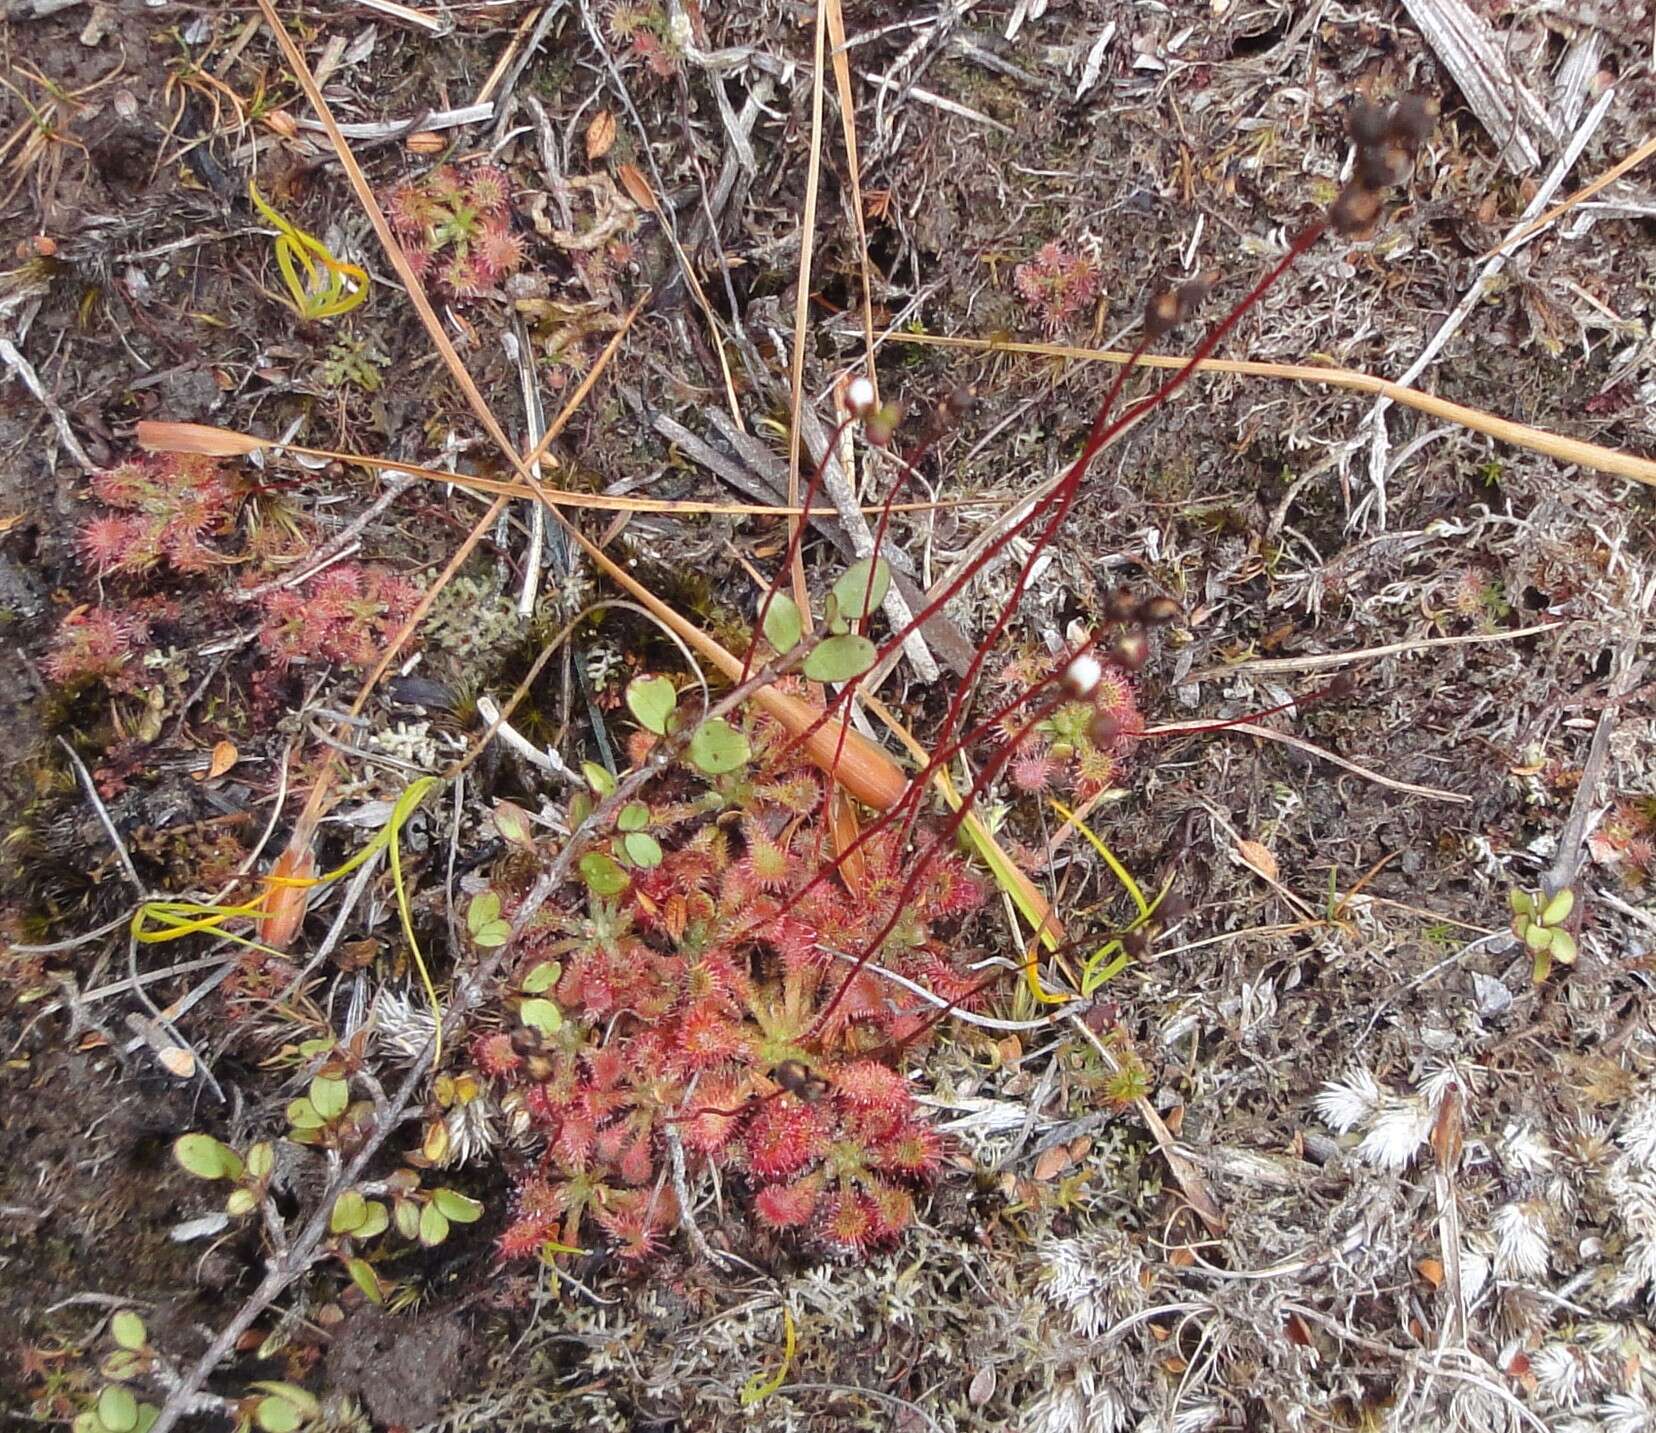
(147, 1415)
(456, 1206)
(840, 659)
(783, 627)
(642, 849)
(363, 1276)
(407, 1216)
(651, 700)
(513, 823)
(329, 1097)
(1564, 947)
(1558, 908)
(350, 1213)
(635, 816)
(261, 1160)
(542, 977)
(603, 874)
(240, 1204)
(541, 1015)
(376, 1222)
(434, 1226)
(118, 1409)
(275, 1414)
(484, 907)
(127, 1329)
(598, 777)
(852, 593)
(291, 1394)
(717, 747)
(87, 1422)
(206, 1158)
(302, 1115)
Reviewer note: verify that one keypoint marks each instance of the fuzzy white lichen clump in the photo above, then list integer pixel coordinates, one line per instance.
(1095, 1279)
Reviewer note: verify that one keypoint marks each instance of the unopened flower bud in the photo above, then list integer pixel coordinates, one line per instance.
(1157, 611)
(1122, 605)
(880, 425)
(1082, 675)
(859, 396)
(1130, 650)
(1366, 123)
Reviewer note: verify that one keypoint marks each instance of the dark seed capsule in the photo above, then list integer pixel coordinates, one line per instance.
(960, 402)
(1412, 119)
(1380, 166)
(1356, 212)
(1103, 729)
(1367, 123)
(1161, 314)
(1192, 294)
(1136, 943)
(1343, 685)
(1157, 611)
(1122, 604)
(797, 1078)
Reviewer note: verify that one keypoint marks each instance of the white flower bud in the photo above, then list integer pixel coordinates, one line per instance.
(859, 396)
(1083, 674)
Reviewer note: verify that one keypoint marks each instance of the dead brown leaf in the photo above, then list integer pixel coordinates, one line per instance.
(1258, 857)
(637, 187)
(600, 135)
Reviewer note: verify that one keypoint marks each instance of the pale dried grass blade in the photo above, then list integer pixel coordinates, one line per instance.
(1504, 430)
(802, 307)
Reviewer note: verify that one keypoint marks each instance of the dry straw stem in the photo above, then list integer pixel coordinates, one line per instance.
(853, 167)
(1566, 450)
(203, 438)
(802, 309)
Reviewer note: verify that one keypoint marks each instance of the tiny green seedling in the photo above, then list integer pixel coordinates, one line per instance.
(1539, 922)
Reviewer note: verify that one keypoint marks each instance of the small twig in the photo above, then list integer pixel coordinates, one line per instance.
(969, 1017)
(395, 129)
(115, 840)
(1586, 192)
(335, 547)
(534, 418)
(1321, 660)
(19, 367)
(1248, 728)
(1572, 840)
